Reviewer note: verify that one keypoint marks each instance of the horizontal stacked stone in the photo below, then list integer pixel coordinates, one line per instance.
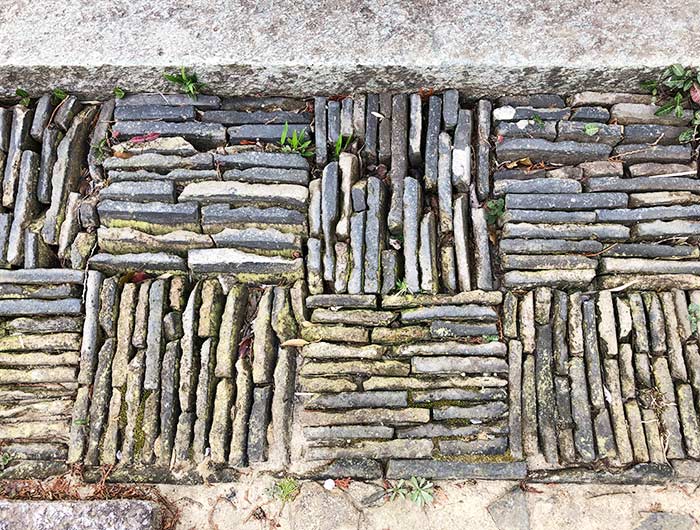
(404, 379)
(40, 349)
(185, 193)
(605, 378)
(608, 193)
(404, 214)
(43, 155)
(174, 372)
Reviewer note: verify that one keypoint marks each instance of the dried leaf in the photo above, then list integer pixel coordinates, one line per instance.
(145, 138)
(343, 483)
(695, 93)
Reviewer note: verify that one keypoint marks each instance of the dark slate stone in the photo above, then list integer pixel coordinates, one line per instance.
(67, 110)
(182, 213)
(566, 231)
(155, 112)
(442, 329)
(268, 104)
(546, 130)
(49, 145)
(431, 142)
(222, 215)
(518, 174)
(358, 468)
(446, 470)
(578, 131)
(333, 121)
(450, 109)
(233, 117)
(536, 185)
(640, 184)
(509, 113)
(265, 175)
(249, 159)
(374, 234)
(399, 161)
(662, 213)
(591, 114)
(483, 148)
(157, 191)
(385, 108)
(664, 154)
(567, 201)
(640, 133)
(42, 115)
(320, 130)
(359, 196)
(369, 153)
(201, 101)
(552, 152)
(649, 250)
(257, 424)
(263, 133)
(201, 135)
(415, 131)
(5, 128)
(549, 246)
(544, 216)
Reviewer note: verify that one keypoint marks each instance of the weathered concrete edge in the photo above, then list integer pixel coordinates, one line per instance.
(302, 80)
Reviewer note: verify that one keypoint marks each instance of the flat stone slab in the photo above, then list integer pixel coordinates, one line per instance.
(80, 515)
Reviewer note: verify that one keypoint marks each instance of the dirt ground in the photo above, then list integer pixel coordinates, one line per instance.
(486, 505)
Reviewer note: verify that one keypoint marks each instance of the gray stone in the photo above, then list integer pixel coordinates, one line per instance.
(689, 420)
(669, 415)
(201, 135)
(49, 145)
(156, 191)
(81, 515)
(517, 113)
(444, 183)
(145, 262)
(666, 521)
(427, 253)
(263, 175)
(333, 121)
(263, 241)
(345, 432)
(461, 242)
(374, 234)
(249, 159)
(349, 400)
(264, 343)
(153, 217)
(258, 423)
(385, 108)
(441, 329)
(551, 152)
(25, 206)
(330, 213)
(459, 394)
(357, 249)
(239, 134)
(342, 300)
(399, 161)
(154, 338)
(638, 153)
(204, 399)
(604, 232)
(652, 134)
(546, 404)
(549, 246)
(412, 204)
(486, 447)
(483, 148)
(405, 448)
(663, 198)
(431, 142)
(245, 264)
(359, 196)
(158, 163)
(451, 348)
(591, 114)
(510, 511)
(580, 131)
(320, 130)
(88, 348)
(445, 470)
(170, 113)
(391, 270)
(243, 404)
(638, 184)
(216, 217)
(482, 250)
(617, 411)
(636, 113)
(361, 317)
(655, 230)
(358, 115)
(70, 226)
(243, 194)
(527, 129)
(567, 201)
(639, 323)
(549, 217)
(415, 130)
(369, 153)
(346, 111)
(314, 266)
(546, 262)
(650, 169)
(449, 312)
(581, 412)
(349, 172)
(446, 365)
(537, 185)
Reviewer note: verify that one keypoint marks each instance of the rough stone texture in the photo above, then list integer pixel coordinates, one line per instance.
(80, 515)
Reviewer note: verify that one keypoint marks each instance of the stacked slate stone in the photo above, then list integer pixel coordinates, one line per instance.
(43, 150)
(405, 213)
(608, 193)
(173, 373)
(41, 320)
(186, 193)
(418, 381)
(605, 378)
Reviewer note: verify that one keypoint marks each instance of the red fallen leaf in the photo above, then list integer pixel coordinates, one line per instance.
(139, 277)
(122, 154)
(500, 138)
(248, 142)
(115, 134)
(343, 483)
(695, 93)
(145, 138)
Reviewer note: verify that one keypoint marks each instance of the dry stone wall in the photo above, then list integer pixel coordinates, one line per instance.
(433, 286)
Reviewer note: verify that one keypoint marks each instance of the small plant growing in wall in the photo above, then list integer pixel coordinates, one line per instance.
(285, 489)
(187, 81)
(297, 143)
(495, 208)
(341, 145)
(418, 490)
(677, 89)
(24, 98)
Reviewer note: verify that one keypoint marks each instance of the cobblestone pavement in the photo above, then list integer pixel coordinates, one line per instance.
(443, 288)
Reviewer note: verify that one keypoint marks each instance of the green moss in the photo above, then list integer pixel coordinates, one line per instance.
(475, 459)
(152, 228)
(139, 436)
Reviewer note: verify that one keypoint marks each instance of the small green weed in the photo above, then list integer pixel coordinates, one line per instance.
(591, 129)
(297, 143)
(401, 287)
(187, 81)
(418, 490)
(103, 150)
(694, 314)
(24, 98)
(119, 92)
(678, 88)
(5, 459)
(341, 145)
(495, 208)
(538, 120)
(285, 489)
(490, 338)
(58, 94)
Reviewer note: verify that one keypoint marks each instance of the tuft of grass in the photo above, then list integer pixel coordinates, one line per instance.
(490, 338)
(24, 98)
(5, 459)
(119, 92)
(341, 145)
(59, 94)
(538, 120)
(591, 129)
(401, 287)
(495, 208)
(297, 143)
(285, 489)
(187, 81)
